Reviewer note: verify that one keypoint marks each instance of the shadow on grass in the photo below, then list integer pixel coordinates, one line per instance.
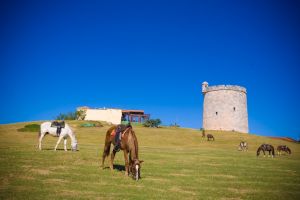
(117, 167)
(52, 149)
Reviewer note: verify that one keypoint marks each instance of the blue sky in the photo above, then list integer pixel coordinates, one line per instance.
(151, 55)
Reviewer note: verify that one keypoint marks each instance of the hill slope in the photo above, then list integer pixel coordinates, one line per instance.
(179, 164)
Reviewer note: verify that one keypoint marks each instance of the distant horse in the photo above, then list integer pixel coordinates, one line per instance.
(266, 147)
(243, 146)
(210, 137)
(203, 133)
(129, 145)
(284, 148)
(46, 128)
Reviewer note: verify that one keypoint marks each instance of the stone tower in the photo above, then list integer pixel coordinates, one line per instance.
(225, 108)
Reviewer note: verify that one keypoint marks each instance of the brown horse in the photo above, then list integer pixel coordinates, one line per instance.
(265, 147)
(129, 145)
(284, 148)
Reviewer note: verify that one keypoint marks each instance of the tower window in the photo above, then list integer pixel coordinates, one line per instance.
(233, 108)
(216, 113)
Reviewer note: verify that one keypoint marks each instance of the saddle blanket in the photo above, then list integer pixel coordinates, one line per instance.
(113, 133)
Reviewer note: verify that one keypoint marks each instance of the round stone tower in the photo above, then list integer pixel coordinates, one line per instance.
(225, 108)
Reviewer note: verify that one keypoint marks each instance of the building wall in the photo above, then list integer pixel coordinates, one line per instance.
(225, 108)
(108, 115)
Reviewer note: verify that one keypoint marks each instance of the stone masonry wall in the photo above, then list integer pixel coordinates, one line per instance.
(225, 108)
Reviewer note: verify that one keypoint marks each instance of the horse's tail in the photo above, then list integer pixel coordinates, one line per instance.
(106, 150)
(273, 152)
(107, 144)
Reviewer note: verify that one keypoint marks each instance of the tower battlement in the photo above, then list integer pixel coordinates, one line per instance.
(224, 87)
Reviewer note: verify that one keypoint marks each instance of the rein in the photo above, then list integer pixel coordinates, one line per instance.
(125, 131)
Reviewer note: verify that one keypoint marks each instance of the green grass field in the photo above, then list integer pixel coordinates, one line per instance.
(178, 164)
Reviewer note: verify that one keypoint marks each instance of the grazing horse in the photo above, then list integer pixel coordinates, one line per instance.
(210, 137)
(203, 133)
(129, 145)
(243, 146)
(266, 147)
(284, 148)
(46, 128)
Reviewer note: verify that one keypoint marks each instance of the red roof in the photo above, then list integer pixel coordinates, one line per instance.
(133, 111)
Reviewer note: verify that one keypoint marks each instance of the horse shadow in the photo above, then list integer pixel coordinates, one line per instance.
(58, 149)
(117, 167)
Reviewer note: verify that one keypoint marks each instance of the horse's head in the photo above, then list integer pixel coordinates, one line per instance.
(74, 145)
(288, 150)
(136, 169)
(258, 151)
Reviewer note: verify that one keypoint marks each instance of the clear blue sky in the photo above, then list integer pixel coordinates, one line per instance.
(57, 55)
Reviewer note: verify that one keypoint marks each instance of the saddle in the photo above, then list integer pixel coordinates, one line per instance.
(58, 125)
(118, 133)
(119, 129)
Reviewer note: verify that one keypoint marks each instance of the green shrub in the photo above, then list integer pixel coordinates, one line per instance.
(91, 124)
(152, 123)
(30, 128)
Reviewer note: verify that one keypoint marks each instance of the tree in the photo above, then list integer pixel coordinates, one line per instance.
(68, 116)
(80, 114)
(77, 115)
(152, 123)
(174, 125)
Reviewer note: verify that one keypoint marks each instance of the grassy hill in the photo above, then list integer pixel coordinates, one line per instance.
(179, 164)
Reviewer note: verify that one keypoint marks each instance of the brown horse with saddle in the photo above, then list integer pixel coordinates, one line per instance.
(124, 138)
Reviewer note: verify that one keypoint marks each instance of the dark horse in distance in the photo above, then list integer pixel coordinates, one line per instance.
(283, 148)
(266, 147)
(210, 137)
(129, 145)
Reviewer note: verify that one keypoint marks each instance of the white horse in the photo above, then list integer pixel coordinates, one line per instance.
(65, 132)
(243, 146)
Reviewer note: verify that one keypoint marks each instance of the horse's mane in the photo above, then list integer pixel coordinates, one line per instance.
(134, 142)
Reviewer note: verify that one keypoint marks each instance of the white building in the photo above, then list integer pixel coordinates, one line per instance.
(112, 115)
(102, 114)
